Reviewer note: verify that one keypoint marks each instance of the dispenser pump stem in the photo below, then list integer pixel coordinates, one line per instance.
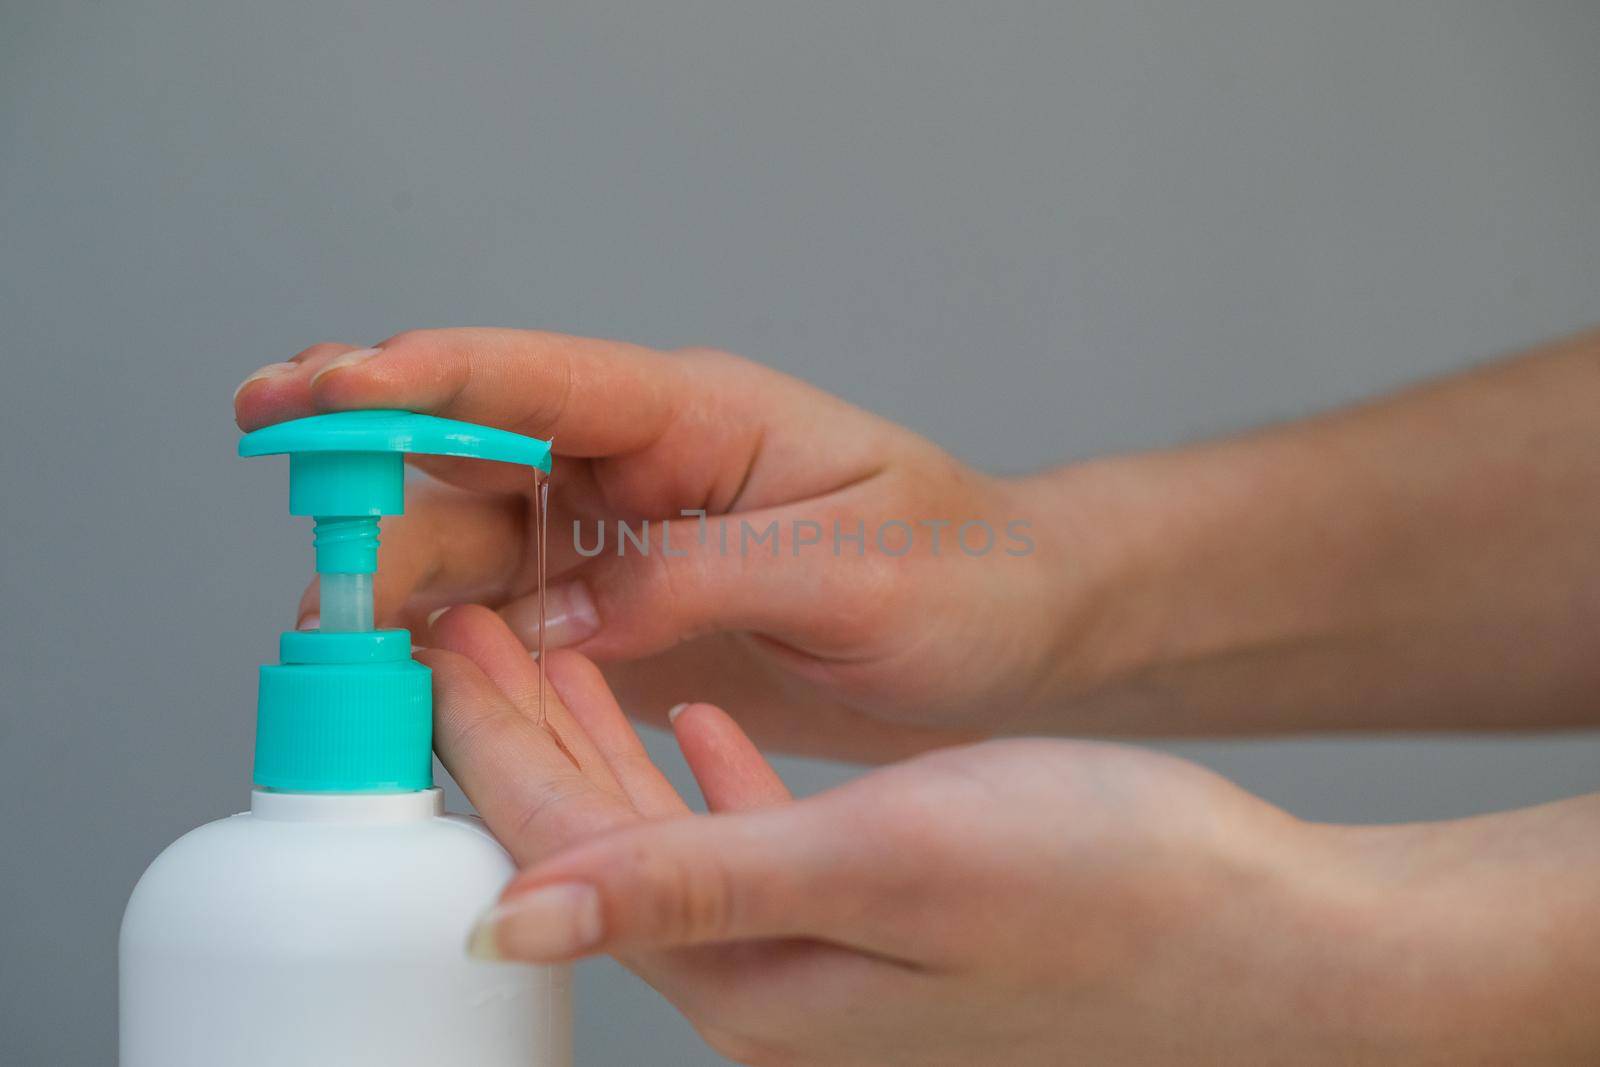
(346, 603)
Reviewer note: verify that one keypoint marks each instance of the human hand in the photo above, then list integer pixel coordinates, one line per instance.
(1410, 562)
(1010, 903)
(1015, 902)
(867, 656)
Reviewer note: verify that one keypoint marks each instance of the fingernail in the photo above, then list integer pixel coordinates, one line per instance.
(569, 616)
(674, 711)
(433, 616)
(309, 622)
(271, 370)
(553, 922)
(340, 362)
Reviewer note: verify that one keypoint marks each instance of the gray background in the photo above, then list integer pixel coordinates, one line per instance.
(1030, 230)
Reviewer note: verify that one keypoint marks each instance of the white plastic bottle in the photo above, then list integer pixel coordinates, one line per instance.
(328, 925)
(328, 929)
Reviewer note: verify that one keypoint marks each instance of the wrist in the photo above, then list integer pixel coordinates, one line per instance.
(1064, 592)
(1120, 541)
(1211, 589)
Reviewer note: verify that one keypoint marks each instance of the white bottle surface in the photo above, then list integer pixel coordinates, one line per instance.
(329, 930)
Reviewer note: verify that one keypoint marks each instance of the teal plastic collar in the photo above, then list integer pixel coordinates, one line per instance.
(345, 713)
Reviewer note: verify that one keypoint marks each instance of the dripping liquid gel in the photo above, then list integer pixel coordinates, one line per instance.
(541, 524)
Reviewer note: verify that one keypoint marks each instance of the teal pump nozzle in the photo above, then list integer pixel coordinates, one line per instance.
(347, 709)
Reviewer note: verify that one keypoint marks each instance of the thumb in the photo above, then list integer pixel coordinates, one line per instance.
(776, 873)
(651, 585)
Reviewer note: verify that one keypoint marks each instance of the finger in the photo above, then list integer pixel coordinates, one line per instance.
(584, 692)
(697, 427)
(732, 773)
(747, 573)
(597, 397)
(792, 871)
(478, 634)
(282, 391)
(308, 613)
(514, 772)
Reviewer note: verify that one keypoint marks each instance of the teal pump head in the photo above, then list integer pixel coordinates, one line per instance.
(347, 709)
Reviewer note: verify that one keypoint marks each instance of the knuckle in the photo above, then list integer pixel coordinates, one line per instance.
(701, 909)
(688, 901)
(404, 337)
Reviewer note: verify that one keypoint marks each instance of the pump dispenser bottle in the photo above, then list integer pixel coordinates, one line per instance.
(326, 926)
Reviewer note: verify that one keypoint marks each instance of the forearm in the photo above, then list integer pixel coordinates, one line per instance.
(1429, 560)
(1476, 941)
